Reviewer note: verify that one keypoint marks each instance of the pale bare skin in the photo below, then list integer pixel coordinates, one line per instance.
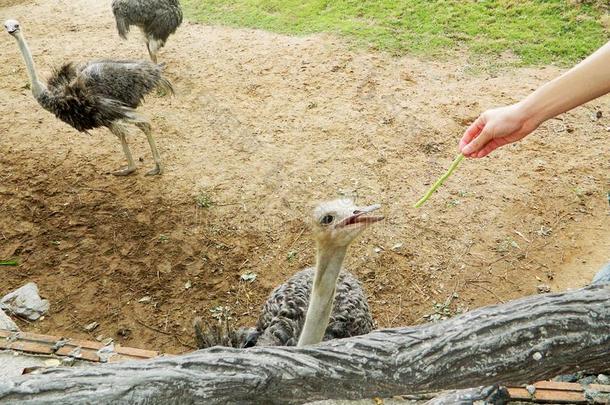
(497, 127)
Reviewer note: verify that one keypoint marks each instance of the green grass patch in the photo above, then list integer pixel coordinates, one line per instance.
(536, 31)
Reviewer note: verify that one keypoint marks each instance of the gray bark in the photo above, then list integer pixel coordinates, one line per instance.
(487, 395)
(518, 342)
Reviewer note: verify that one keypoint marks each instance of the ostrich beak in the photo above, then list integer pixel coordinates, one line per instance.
(360, 216)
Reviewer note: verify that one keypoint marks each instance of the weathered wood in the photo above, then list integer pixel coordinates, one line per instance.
(518, 342)
(488, 395)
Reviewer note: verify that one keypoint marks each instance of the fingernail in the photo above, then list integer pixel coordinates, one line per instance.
(466, 150)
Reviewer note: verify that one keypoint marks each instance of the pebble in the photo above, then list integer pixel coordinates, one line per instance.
(145, 300)
(537, 356)
(543, 288)
(530, 389)
(67, 361)
(52, 363)
(603, 379)
(91, 327)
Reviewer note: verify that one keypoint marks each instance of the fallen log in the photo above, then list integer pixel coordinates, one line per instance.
(518, 342)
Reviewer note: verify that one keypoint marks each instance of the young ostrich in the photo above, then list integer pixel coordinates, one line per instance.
(103, 93)
(301, 311)
(157, 19)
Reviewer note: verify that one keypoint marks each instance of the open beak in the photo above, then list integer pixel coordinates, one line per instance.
(360, 216)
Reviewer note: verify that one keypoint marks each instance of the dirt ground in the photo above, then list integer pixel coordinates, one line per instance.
(265, 125)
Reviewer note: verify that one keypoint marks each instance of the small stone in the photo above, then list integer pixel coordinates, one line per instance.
(52, 363)
(397, 246)
(67, 361)
(99, 338)
(537, 356)
(590, 379)
(187, 285)
(76, 352)
(145, 300)
(107, 341)
(603, 379)
(91, 327)
(543, 288)
(377, 250)
(530, 389)
(566, 378)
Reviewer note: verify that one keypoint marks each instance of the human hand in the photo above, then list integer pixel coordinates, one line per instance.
(495, 128)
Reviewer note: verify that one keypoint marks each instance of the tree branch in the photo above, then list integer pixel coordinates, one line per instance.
(518, 342)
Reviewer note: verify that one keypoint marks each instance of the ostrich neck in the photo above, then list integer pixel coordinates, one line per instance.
(328, 265)
(37, 87)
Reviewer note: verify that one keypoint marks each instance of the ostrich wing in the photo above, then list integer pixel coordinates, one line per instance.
(71, 100)
(124, 81)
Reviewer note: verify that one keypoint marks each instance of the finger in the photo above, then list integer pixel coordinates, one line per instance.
(491, 146)
(471, 132)
(479, 142)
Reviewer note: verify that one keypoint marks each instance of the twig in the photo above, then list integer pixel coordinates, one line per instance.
(153, 328)
(165, 333)
(440, 181)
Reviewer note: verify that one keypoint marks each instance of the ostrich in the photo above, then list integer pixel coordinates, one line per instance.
(101, 93)
(157, 19)
(301, 311)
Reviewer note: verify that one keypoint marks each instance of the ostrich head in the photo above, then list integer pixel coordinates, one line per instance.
(337, 223)
(12, 27)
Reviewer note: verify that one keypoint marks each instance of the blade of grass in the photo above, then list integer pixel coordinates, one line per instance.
(8, 263)
(440, 181)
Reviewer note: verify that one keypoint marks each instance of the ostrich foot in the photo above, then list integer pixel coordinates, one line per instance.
(124, 172)
(157, 170)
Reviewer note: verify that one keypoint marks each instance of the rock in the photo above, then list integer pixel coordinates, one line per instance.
(7, 323)
(590, 379)
(603, 379)
(530, 389)
(566, 378)
(52, 363)
(543, 288)
(145, 300)
(25, 302)
(91, 327)
(106, 352)
(67, 361)
(602, 276)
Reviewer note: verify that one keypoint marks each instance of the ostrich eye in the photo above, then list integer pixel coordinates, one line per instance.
(327, 219)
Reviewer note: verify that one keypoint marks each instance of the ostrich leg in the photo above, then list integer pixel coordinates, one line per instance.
(120, 131)
(153, 46)
(145, 127)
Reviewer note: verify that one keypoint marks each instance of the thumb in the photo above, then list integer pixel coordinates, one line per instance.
(479, 142)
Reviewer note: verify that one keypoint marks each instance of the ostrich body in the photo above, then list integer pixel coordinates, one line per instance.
(318, 303)
(102, 93)
(157, 19)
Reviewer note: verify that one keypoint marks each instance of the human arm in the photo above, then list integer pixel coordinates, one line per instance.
(497, 127)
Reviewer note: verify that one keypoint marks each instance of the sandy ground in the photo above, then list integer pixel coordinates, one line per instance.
(266, 125)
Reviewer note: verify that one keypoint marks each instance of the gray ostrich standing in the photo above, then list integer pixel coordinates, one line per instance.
(103, 93)
(157, 19)
(320, 303)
